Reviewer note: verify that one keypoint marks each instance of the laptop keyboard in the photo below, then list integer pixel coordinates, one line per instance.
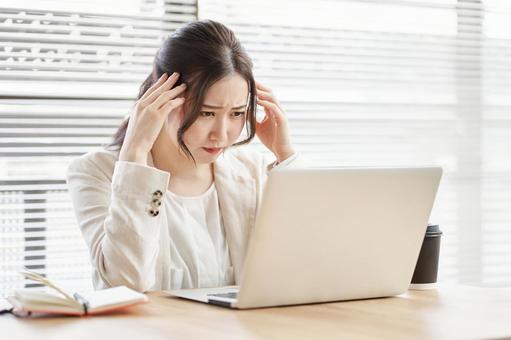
(232, 295)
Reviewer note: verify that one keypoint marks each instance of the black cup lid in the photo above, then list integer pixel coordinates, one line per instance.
(433, 229)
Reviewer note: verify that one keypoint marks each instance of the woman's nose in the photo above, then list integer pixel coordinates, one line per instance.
(219, 132)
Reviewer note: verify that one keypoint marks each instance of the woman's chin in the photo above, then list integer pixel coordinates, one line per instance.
(206, 158)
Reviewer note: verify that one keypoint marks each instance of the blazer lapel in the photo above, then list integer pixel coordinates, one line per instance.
(237, 198)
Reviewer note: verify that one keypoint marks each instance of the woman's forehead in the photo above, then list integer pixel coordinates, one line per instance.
(230, 91)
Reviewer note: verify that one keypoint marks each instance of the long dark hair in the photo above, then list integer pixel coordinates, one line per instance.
(203, 52)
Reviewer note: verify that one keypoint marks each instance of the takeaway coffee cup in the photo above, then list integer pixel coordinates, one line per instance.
(426, 269)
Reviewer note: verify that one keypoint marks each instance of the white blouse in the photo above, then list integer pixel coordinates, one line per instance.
(199, 252)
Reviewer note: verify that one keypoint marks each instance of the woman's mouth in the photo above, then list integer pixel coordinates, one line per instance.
(212, 151)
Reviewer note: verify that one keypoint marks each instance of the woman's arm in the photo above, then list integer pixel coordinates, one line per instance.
(119, 218)
(115, 219)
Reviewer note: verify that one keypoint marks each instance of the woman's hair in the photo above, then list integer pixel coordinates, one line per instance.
(202, 52)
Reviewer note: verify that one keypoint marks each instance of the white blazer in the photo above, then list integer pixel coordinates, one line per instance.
(128, 245)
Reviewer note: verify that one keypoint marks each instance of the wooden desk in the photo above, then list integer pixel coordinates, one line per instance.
(448, 312)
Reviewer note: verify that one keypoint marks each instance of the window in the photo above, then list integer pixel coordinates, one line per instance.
(68, 74)
(399, 83)
(364, 82)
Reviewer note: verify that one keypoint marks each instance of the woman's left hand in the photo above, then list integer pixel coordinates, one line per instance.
(272, 131)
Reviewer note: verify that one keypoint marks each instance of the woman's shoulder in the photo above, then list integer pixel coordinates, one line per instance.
(101, 160)
(243, 159)
(245, 154)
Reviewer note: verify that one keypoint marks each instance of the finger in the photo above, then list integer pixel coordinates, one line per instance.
(172, 114)
(167, 85)
(268, 117)
(265, 118)
(264, 124)
(260, 86)
(266, 93)
(171, 105)
(267, 96)
(166, 96)
(157, 84)
(274, 111)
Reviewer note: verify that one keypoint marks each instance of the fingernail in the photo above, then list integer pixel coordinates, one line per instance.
(183, 85)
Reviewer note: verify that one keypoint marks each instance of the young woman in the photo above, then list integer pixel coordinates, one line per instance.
(172, 201)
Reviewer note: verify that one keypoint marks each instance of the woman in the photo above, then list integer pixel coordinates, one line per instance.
(171, 203)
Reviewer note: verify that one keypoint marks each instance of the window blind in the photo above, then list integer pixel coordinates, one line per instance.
(399, 83)
(69, 72)
(364, 83)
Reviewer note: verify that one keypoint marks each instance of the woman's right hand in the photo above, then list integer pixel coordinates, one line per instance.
(148, 117)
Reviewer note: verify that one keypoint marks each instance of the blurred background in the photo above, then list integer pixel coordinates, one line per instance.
(364, 83)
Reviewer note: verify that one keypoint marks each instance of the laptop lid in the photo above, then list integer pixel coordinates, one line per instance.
(336, 234)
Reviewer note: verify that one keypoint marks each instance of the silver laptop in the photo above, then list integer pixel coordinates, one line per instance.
(331, 235)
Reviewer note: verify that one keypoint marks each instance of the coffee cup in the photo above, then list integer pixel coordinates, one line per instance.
(426, 269)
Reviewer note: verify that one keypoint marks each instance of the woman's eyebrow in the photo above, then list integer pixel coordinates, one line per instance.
(221, 107)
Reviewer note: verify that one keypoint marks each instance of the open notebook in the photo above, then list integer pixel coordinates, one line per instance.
(58, 301)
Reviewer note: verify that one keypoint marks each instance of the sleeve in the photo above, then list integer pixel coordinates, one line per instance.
(119, 219)
(290, 161)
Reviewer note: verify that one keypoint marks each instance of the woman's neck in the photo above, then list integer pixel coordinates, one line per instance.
(168, 158)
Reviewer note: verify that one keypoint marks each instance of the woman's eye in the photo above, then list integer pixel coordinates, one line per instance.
(238, 114)
(206, 114)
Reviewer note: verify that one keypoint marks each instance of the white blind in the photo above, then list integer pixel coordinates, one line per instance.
(399, 83)
(69, 72)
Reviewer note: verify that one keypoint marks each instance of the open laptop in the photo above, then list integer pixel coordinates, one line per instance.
(330, 235)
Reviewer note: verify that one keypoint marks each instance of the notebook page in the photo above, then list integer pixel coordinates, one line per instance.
(31, 298)
(110, 297)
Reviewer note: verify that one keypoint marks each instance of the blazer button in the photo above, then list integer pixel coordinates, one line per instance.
(157, 194)
(155, 204)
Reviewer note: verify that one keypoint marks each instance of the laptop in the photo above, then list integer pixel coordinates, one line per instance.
(334, 234)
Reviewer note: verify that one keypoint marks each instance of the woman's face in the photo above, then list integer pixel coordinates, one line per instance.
(220, 121)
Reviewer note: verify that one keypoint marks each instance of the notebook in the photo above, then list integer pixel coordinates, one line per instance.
(59, 301)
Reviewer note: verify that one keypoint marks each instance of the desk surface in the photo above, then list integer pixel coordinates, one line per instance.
(450, 311)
